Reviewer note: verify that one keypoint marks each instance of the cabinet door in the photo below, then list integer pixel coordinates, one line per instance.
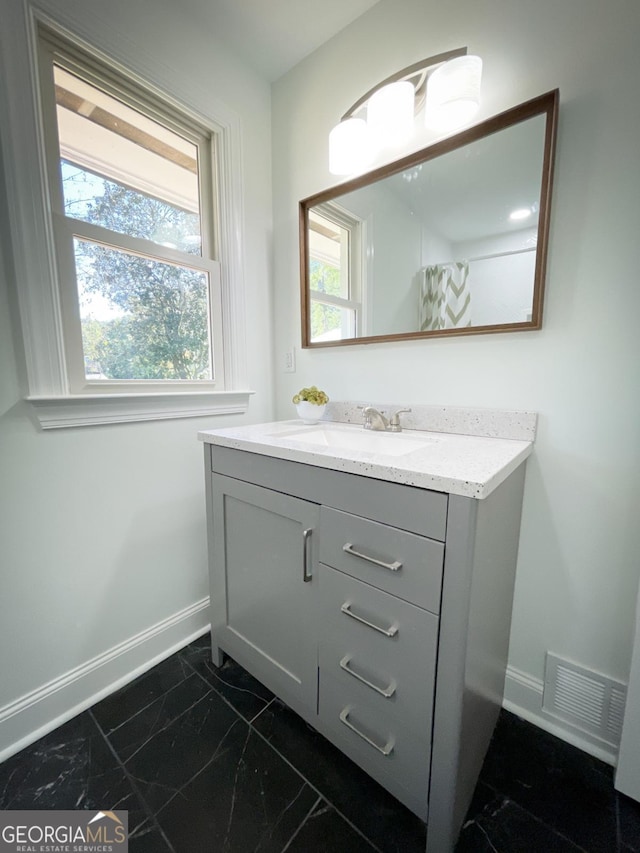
(263, 575)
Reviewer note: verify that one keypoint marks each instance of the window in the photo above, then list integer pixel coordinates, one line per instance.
(334, 273)
(131, 185)
(126, 234)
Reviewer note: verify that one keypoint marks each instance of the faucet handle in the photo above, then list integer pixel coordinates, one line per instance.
(394, 421)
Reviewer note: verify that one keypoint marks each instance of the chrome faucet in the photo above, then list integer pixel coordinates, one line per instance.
(373, 419)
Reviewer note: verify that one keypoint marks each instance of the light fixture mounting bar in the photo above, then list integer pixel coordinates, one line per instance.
(409, 71)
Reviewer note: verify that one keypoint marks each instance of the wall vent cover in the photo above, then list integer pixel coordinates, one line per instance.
(591, 701)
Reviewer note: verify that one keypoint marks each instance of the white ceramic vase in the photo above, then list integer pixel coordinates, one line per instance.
(308, 412)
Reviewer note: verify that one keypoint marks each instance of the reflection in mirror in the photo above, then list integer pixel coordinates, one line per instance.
(334, 272)
(451, 240)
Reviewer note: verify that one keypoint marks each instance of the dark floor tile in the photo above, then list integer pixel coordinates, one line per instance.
(70, 768)
(247, 695)
(628, 824)
(148, 838)
(138, 730)
(505, 827)
(564, 787)
(170, 759)
(379, 816)
(324, 831)
(138, 694)
(483, 797)
(200, 648)
(199, 779)
(246, 799)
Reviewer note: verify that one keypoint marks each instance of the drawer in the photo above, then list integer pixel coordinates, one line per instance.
(377, 646)
(387, 749)
(390, 559)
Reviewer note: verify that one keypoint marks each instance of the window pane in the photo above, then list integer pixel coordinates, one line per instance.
(124, 171)
(95, 199)
(141, 318)
(324, 277)
(328, 256)
(330, 322)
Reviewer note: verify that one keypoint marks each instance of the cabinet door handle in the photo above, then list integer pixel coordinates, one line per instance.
(306, 574)
(393, 567)
(387, 749)
(387, 692)
(388, 632)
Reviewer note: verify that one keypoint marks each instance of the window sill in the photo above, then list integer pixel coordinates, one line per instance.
(96, 409)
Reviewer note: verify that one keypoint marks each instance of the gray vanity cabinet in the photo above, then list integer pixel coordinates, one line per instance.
(380, 612)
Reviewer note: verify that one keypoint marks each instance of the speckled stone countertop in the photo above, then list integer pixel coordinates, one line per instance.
(457, 462)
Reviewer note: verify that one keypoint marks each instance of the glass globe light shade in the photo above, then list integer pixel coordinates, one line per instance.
(390, 114)
(453, 93)
(350, 148)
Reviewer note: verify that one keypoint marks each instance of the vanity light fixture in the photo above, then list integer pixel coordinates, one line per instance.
(390, 114)
(446, 86)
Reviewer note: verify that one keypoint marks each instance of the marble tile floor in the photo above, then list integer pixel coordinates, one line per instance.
(208, 761)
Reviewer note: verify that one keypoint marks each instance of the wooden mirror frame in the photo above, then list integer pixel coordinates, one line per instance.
(546, 105)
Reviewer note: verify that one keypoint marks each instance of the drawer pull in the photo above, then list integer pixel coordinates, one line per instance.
(387, 749)
(388, 632)
(387, 692)
(393, 567)
(306, 574)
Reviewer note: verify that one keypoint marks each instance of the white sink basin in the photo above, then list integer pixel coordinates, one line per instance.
(357, 439)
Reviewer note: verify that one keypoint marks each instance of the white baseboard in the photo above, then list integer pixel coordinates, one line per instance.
(523, 697)
(39, 712)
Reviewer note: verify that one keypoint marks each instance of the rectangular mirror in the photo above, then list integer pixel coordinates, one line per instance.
(451, 240)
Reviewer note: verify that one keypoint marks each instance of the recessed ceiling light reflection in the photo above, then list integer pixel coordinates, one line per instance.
(520, 213)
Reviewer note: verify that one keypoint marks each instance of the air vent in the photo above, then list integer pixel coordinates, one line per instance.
(587, 699)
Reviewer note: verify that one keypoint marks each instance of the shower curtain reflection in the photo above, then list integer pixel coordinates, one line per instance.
(445, 297)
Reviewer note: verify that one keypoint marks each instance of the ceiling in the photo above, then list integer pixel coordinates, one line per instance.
(274, 35)
(468, 193)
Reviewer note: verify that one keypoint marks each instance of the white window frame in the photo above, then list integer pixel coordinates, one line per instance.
(355, 229)
(43, 302)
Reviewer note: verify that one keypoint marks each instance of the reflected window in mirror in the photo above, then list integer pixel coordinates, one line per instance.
(335, 273)
(450, 240)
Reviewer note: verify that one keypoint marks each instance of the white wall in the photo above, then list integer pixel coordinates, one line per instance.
(102, 532)
(578, 563)
(390, 287)
(501, 287)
